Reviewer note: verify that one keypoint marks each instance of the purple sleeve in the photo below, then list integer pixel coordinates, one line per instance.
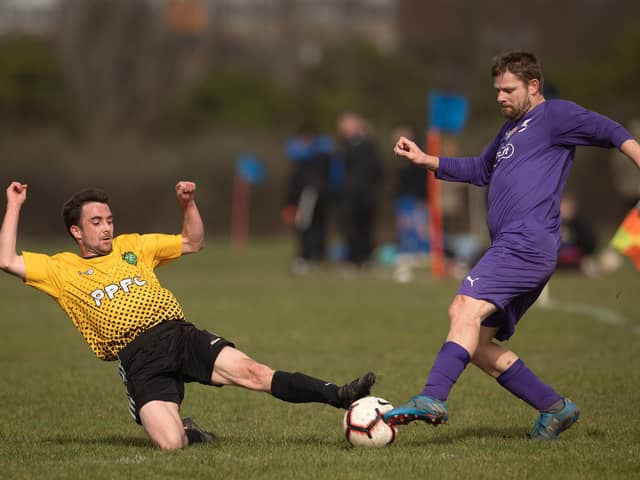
(474, 170)
(572, 124)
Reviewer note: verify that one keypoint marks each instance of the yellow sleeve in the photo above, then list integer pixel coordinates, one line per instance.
(162, 248)
(41, 273)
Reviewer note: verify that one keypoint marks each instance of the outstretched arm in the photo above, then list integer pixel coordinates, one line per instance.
(192, 226)
(10, 261)
(474, 170)
(409, 150)
(631, 148)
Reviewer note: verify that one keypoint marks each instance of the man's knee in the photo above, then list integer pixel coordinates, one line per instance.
(467, 311)
(170, 440)
(259, 376)
(163, 424)
(459, 314)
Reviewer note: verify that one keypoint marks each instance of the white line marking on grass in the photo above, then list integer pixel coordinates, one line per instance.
(135, 460)
(601, 314)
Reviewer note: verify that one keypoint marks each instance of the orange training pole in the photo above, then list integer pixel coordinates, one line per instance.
(435, 211)
(240, 213)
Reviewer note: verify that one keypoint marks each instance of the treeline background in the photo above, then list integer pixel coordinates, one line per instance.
(115, 96)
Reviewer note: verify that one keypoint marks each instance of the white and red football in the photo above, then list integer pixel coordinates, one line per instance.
(364, 426)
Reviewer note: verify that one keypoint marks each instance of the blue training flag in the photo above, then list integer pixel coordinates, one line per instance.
(447, 112)
(249, 168)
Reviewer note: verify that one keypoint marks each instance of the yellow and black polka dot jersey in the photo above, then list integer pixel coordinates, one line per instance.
(113, 298)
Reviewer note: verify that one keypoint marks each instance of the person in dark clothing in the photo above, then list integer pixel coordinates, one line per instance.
(578, 237)
(412, 217)
(308, 194)
(363, 171)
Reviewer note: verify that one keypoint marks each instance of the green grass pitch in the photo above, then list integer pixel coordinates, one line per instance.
(63, 413)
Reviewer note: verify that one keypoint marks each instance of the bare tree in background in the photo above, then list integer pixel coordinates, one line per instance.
(122, 63)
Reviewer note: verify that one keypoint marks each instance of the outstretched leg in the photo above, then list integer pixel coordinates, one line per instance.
(233, 367)
(466, 315)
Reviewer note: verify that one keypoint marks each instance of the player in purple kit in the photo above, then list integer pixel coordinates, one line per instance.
(526, 168)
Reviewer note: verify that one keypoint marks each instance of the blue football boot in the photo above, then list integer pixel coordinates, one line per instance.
(420, 407)
(550, 425)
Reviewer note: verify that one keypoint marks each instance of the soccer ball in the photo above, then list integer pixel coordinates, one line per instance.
(364, 426)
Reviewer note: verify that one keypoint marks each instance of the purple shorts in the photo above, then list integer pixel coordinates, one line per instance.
(510, 280)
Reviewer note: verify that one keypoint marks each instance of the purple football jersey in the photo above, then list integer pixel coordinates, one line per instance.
(526, 168)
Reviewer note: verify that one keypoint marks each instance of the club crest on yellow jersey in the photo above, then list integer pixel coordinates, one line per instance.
(130, 258)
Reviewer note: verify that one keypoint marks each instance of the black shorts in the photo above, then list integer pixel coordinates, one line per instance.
(158, 362)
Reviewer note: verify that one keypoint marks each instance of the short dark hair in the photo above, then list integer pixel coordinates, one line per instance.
(524, 65)
(72, 208)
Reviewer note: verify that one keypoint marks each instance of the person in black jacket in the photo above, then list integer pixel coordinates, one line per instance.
(307, 202)
(362, 175)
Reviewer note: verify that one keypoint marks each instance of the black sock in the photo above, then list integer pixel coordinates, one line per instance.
(300, 388)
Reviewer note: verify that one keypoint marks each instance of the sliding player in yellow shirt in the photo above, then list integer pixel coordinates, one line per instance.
(110, 292)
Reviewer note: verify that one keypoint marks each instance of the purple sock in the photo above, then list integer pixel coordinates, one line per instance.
(525, 385)
(449, 364)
